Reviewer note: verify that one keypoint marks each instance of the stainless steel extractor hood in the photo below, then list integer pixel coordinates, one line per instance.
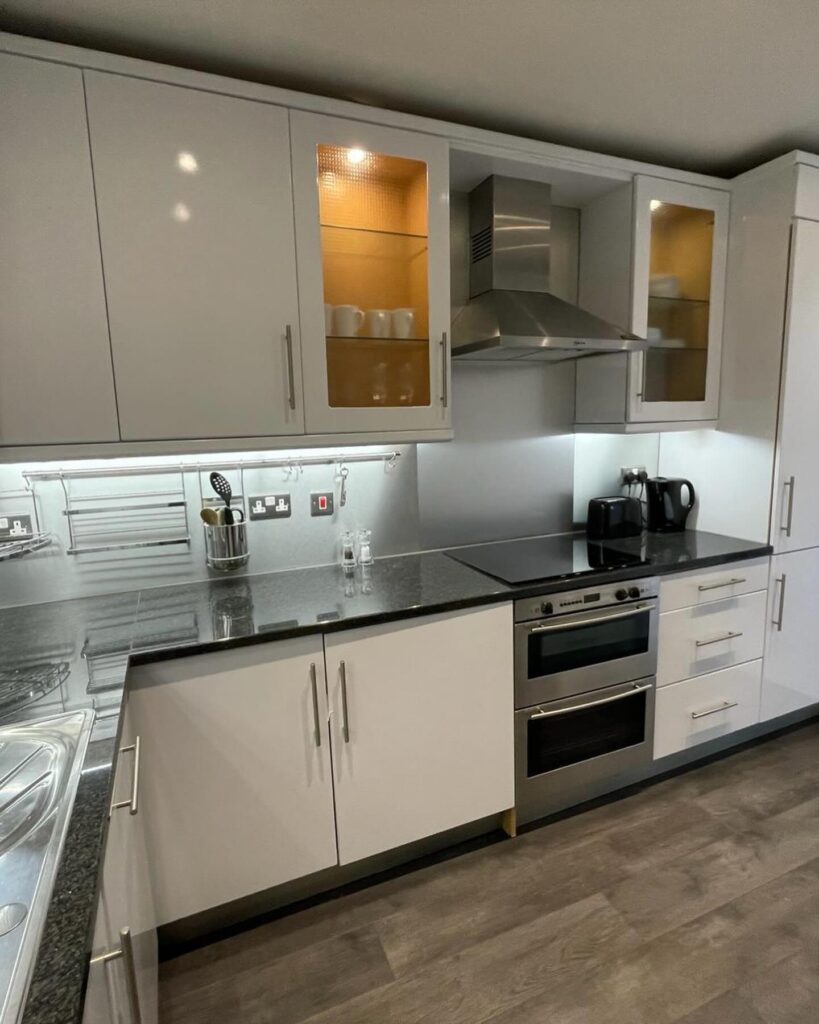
(511, 313)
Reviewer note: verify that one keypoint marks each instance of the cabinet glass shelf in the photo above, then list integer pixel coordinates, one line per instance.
(359, 339)
(370, 244)
(677, 299)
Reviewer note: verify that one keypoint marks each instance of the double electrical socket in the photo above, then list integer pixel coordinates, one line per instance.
(633, 474)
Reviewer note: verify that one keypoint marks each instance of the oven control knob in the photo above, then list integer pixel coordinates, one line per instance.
(546, 608)
(621, 594)
(634, 592)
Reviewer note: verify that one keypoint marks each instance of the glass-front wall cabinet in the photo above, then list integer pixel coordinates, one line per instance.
(371, 226)
(679, 265)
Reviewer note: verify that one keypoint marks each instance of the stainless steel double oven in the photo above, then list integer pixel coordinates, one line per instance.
(585, 666)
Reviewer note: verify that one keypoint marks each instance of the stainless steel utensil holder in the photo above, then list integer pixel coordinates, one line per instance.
(226, 546)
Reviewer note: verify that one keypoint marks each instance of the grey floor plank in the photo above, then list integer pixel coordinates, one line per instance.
(787, 993)
(664, 979)
(565, 945)
(730, 1008)
(656, 901)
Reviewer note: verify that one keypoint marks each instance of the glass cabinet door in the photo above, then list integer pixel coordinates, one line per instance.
(679, 267)
(372, 231)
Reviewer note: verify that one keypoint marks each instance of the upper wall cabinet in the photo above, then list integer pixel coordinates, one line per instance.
(196, 223)
(372, 231)
(56, 383)
(679, 250)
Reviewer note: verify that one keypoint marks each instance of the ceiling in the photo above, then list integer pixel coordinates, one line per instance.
(709, 85)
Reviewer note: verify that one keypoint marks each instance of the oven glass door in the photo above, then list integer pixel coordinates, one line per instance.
(577, 731)
(573, 654)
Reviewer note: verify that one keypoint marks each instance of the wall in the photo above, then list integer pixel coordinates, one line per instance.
(385, 500)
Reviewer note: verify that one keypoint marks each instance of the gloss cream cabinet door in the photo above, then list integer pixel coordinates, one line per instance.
(790, 678)
(56, 380)
(372, 231)
(422, 726)
(794, 519)
(236, 779)
(196, 223)
(678, 294)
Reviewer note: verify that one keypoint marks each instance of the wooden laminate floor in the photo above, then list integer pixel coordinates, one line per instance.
(694, 901)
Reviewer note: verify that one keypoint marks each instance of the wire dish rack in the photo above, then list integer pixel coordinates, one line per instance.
(27, 542)
(26, 684)
(24, 546)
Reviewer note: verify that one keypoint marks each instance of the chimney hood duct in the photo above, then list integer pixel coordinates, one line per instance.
(511, 313)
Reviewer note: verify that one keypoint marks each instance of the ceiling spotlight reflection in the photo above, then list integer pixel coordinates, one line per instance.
(355, 156)
(655, 204)
(187, 162)
(181, 212)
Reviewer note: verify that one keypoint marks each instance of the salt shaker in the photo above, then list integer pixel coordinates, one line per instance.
(365, 548)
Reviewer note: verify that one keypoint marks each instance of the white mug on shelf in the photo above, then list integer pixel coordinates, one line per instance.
(348, 321)
(328, 319)
(403, 321)
(377, 323)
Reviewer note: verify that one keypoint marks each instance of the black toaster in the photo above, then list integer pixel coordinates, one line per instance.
(615, 517)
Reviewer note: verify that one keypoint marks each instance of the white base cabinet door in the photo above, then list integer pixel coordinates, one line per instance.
(56, 380)
(123, 975)
(422, 727)
(791, 666)
(196, 223)
(236, 776)
(794, 520)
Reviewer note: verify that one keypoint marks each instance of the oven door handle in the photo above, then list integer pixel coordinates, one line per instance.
(638, 609)
(540, 713)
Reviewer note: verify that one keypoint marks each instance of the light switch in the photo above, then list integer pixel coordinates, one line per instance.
(321, 503)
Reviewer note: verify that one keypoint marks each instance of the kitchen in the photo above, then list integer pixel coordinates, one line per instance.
(482, 553)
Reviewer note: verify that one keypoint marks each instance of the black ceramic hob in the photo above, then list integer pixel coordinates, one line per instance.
(546, 558)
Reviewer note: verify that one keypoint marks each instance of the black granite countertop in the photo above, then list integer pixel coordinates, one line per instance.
(90, 641)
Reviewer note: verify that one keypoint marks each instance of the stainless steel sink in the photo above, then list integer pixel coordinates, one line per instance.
(40, 764)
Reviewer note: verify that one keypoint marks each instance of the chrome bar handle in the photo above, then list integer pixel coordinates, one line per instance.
(125, 952)
(781, 580)
(717, 639)
(444, 371)
(345, 721)
(718, 586)
(790, 484)
(726, 704)
(314, 685)
(540, 713)
(132, 803)
(291, 381)
(638, 609)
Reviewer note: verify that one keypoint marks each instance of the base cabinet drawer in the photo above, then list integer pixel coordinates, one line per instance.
(693, 641)
(697, 710)
(696, 588)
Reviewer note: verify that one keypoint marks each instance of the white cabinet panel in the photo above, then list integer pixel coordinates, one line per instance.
(123, 973)
(795, 522)
(196, 222)
(429, 738)
(791, 674)
(56, 382)
(702, 709)
(707, 637)
(236, 777)
(709, 585)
